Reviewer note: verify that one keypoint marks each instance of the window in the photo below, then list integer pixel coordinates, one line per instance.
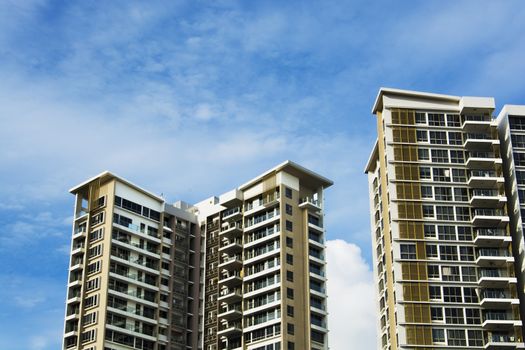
(453, 120)
(454, 138)
(424, 173)
(430, 231)
(434, 292)
(89, 319)
(431, 250)
(289, 259)
(289, 225)
(448, 252)
(450, 273)
(475, 338)
(452, 294)
(289, 293)
(519, 158)
(289, 242)
(520, 177)
(459, 175)
(289, 310)
(466, 254)
(443, 193)
(94, 267)
(428, 211)
(96, 235)
(438, 335)
(95, 251)
(435, 119)
(517, 123)
(438, 137)
(408, 251)
(472, 316)
(460, 194)
(454, 315)
(291, 345)
(426, 191)
(464, 232)
(470, 296)
(446, 233)
(469, 274)
(457, 157)
(421, 136)
(422, 154)
(439, 156)
(518, 141)
(97, 219)
(433, 271)
(288, 209)
(456, 337)
(290, 328)
(93, 284)
(91, 301)
(436, 313)
(88, 336)
(445, 213)
(288, 192)
(441, 174)
(421, 118)
(289, 276)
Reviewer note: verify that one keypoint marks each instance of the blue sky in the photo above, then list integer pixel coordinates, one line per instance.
(193, 98)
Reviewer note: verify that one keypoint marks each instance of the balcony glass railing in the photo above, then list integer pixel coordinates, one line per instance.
(481, 155)
(493, 273)
(502, 338)
(497, 316)
(488, 212)
(485, 193)
(480, 136)
(483, 173)
(313, 201)
(493, 252)
(490, 232)
(495, 294)
(476, 118)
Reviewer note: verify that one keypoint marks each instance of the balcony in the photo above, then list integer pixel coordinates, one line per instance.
(500, 341)
(231, 279)
(482, 160)
(231, 262)
(231, 246)
(310, 204)
(231, 230)
(490, 218)
(487, 198)
(477, 124)
(229, 296)
(230, 313)
(495, 278)
(491, 237)
(232, 213)
(497, 299)
(229, 328)
(485, 179)
(493, 257)
(500, 320)
(479, 141)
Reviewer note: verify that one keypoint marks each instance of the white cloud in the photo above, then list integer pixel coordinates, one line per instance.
(351, 298)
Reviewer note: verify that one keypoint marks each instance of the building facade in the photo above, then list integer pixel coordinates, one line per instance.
(244, 270)
(443, 250)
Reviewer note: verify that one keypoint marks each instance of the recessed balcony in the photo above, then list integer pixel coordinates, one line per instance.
(230, 295)
(231, 280)
(490, 218)
(231, 230)
(491, 237)
(493, 257)
(229, 328)
(231, 246)
(479, 141)
(230, 313)
(487, 198)
(480, 178)
(495, 320)
(231, 262)
(476, 124)
(310, 204)
(497, 341)
(233, 213)
(482, 160)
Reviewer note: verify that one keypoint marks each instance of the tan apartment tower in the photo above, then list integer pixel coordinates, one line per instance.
(244, 270)
(442, 248)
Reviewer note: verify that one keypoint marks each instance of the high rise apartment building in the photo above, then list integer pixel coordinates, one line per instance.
(244, 270)
(443, 249)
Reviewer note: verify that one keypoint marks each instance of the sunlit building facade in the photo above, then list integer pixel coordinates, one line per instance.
(443, 251)
(244, 270)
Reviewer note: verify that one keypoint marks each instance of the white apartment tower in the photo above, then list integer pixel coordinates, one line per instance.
(244, 270)
(443, 250)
